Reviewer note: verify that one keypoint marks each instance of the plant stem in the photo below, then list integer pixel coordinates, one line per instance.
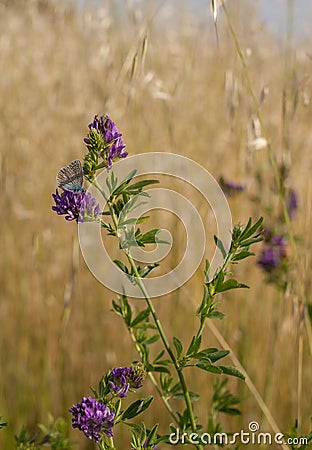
(164, 339)
(276, 174)
(160, 329)
(96, 184)
(154, 381)
(248, 381)
(227, 261)
(299, 381)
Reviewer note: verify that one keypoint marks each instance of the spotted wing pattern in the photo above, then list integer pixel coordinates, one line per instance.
(70, 177)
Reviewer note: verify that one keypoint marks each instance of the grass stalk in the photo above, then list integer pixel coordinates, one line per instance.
(266, 411)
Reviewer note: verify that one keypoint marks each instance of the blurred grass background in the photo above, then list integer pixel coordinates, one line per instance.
(160, 74)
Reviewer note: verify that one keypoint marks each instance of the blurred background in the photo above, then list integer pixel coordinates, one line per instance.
(161, 73)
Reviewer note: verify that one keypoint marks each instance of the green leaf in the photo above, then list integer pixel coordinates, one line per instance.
(101, 165)
(152, 339)
(245, 233)
(117, 308)
(2, 424)
(121, 266)
(209, 367)
(137, 408)
(124, 183)
(256, 226)
(205, 352)
(152, 435)
(194, 346)
(151, 237)
(147, 269)
(251, 241)
(212, 354)
(250, 230)
(141, 317)
(207, 272)
(133, 221)
(230, 411)
(242, 255)
(126, 310)
(217, 282)
(117, 409)
(178, 345)
(233, 371)
(231, 284)
(136, 187)
(216, 315)
(159, 356)
(220, 246)
(164, 362)
(193, 396)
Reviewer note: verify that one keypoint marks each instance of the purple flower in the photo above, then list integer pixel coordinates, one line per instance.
(230, 187)
(93, 418)
(270, 259)
(274, 252)
(110, 146)
(292, 203)
(122, 379)
(79, 206)
(279, 240)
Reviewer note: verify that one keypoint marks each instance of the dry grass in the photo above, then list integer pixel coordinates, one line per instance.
(161, 77)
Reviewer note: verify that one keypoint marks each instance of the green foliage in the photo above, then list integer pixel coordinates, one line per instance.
(144, 439)
(166, 366)
(25, 441)
(53, 436)
(145, 333)
(297, 441)
(223, 401)
(136, 408)
(2, 424)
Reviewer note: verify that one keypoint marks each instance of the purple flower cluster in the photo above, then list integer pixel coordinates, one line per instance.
(273, 253)
(93, 418)
(122, 379)
(230, 187)
(292, 203)
(79, 206)
(112, 146)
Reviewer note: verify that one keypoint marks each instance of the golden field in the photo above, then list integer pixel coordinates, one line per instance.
(160, 73)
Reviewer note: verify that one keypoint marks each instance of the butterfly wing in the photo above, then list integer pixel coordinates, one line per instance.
(70, 177)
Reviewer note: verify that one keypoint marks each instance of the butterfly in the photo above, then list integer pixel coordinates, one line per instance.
(70, 177)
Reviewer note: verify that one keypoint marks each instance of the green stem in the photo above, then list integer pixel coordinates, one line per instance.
(164, 339)
(160, 329)
(96, 184)
(154, 381)
(276, 174)
(203, 319)
(102, 446)
(111, 441)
